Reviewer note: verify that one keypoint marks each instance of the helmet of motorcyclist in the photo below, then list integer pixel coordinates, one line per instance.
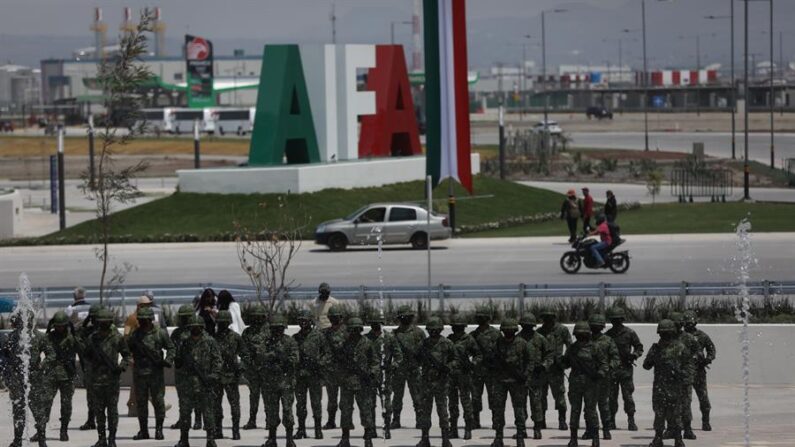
(600, 218)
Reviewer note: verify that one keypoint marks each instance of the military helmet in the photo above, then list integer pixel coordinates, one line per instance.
(305, 315)
(104, 315)
(194, 321)
(582, 327)
(335, 311)
(376, 318)
(458, 320)
(509, 324)
(482, 312)
(528, 319)
(60, 319)
(185, 310)
(258, 311)
(145, 313)
(616, 313)
(224, 317)
(434, 324)
(548, 312)
(666, 326)
(278, 320)
(677, 317)
(597, 320)
(354, 323)
(405, 311)
(94, 309)
(690, 317)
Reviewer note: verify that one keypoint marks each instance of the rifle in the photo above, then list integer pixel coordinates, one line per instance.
(138, 345)
(101, 355)
(510, 369)
(187, 360)
(425, 353)
(579, 365)
(60, 355)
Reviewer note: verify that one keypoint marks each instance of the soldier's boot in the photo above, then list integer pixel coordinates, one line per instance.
(520, 441)
(453, 433)
(468, 431)
(184, 438)
(497, 438)
(373, 433)
(159, 429)
(211, 443)
(42, 441)
(562, 420)
(542, 424)
(101, 440)
(210, 437)
(345, 441)
(288, 437)
(573, 438)
(236, 428)
(331, 424)
(35, 437)
(368, 442)
(318, 429)
(90, 422)
(705, 421)
(112, 436)
(688, 434)
(657, 441)
(271, 441)
(387, 433)
(218, 433)
(64, 435)
(476, 420)
(678, 440)
(143, 430)
(300, 432)
(446, 438)
(425, 441)
(395, 421)
(537, 431)
(595, 440)
(588, 434)
(197, 424)
(631, 426)
(606, 434)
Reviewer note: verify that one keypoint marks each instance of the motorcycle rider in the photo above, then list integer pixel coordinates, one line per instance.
(606, 240)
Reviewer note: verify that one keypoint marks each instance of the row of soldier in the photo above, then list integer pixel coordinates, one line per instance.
(370, 370)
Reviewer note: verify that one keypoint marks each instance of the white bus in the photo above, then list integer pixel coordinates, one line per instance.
(182, 120)
(237, 120)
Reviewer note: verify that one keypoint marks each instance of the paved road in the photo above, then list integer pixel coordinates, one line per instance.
(459, 262)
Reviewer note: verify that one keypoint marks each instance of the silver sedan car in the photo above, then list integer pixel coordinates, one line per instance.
(393, 223)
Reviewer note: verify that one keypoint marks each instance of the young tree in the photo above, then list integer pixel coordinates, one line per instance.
(654, 183)
(120, 77)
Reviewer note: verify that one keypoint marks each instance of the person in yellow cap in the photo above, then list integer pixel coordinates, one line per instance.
(570, 211)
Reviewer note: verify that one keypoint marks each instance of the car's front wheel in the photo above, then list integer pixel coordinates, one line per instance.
(419, 241)
(337, 242)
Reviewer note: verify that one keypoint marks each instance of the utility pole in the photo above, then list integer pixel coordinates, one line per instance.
(645, 80)
(61, 181)
(746, 188)
(772, 96)
(333, 18)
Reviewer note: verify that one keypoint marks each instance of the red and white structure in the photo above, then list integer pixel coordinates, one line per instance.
(680, 78)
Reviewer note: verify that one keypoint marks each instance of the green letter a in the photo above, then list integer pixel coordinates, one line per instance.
(283, 125)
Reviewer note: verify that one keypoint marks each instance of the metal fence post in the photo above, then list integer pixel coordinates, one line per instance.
(766, 290)
(123, 302)
(602, 294)
(441, 298)
(522, 287)
(683, 295)
(43, 299)
(362, 295)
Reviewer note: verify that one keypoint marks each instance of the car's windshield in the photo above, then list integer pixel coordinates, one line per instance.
(353, 215)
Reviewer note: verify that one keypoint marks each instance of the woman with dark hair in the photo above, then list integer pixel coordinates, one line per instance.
(207, 311)
(227, 302)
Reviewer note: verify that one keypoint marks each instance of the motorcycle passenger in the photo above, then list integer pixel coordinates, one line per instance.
(606, 239)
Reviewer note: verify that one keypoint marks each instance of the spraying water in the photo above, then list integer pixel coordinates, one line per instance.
(25, 311)
(743, 315)
(379, 237)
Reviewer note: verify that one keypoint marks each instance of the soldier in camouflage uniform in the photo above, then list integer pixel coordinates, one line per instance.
(199, 356)
(231, 344)
(540, 361)
(629, 350)
(310, 348)
(513, 361)
(256, 325)
(390, 359)
(467, 356)
(672, 363)
(486, 338)
(12, 348)
(178, 335)
(437, 357)
(558, 338)
(588, 366)
(102, 350)
(277, 359)
(609, 350)
(333, 338)
(361, 365)
(696, 358)
(707, 351)
(147, 344)
(87, 327)
(408, 337)
(61, 370)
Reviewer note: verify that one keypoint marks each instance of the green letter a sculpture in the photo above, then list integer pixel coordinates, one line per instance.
(283, 125)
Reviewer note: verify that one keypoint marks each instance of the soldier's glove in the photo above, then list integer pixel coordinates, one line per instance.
(165, 364)
(178, 363)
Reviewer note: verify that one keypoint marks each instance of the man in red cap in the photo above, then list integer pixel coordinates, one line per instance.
(587, 209)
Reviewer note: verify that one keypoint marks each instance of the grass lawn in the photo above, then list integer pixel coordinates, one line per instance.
(19, 146)
(206, 215)
(676, 218)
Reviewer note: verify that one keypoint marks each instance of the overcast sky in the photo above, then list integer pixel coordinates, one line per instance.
(586, 33)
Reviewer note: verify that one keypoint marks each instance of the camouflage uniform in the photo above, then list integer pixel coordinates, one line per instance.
(231, 344)
(61, 370)
(310, 347)
(707, 349)
(558, 338)
(437, 358)
(276, 356)
(672, 364)
(178, 336)
(513, 361)
(14, 379)
(361, 366)
(390, 359)
(467, 356)
(588, 366)
(102, 350)
(486, 338)
(199, 356)
(629, 349)
(87, 327)
(609, 350)
(333, 338)
(147, 346)
(408, 338)
(540, 361)
(256, 326)
(696, 358)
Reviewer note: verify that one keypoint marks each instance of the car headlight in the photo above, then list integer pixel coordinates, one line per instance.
(320, 229)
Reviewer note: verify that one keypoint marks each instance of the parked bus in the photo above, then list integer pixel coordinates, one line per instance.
(237, 120)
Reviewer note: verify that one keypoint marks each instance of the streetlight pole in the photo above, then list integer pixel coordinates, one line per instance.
(544, 72)
(746, 192)
(772, 95)
(524, 77)
(733, 97)
(645, 80)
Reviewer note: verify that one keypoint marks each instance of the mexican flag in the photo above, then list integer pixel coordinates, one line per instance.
(446, 92)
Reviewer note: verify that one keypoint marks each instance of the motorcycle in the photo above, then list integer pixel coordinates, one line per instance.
(616, 261)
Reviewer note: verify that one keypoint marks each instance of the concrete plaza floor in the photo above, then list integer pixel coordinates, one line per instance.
(771, 424)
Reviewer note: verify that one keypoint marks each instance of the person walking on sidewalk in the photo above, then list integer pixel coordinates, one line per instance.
(611, 207)
(587, 209)
(570, 211)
